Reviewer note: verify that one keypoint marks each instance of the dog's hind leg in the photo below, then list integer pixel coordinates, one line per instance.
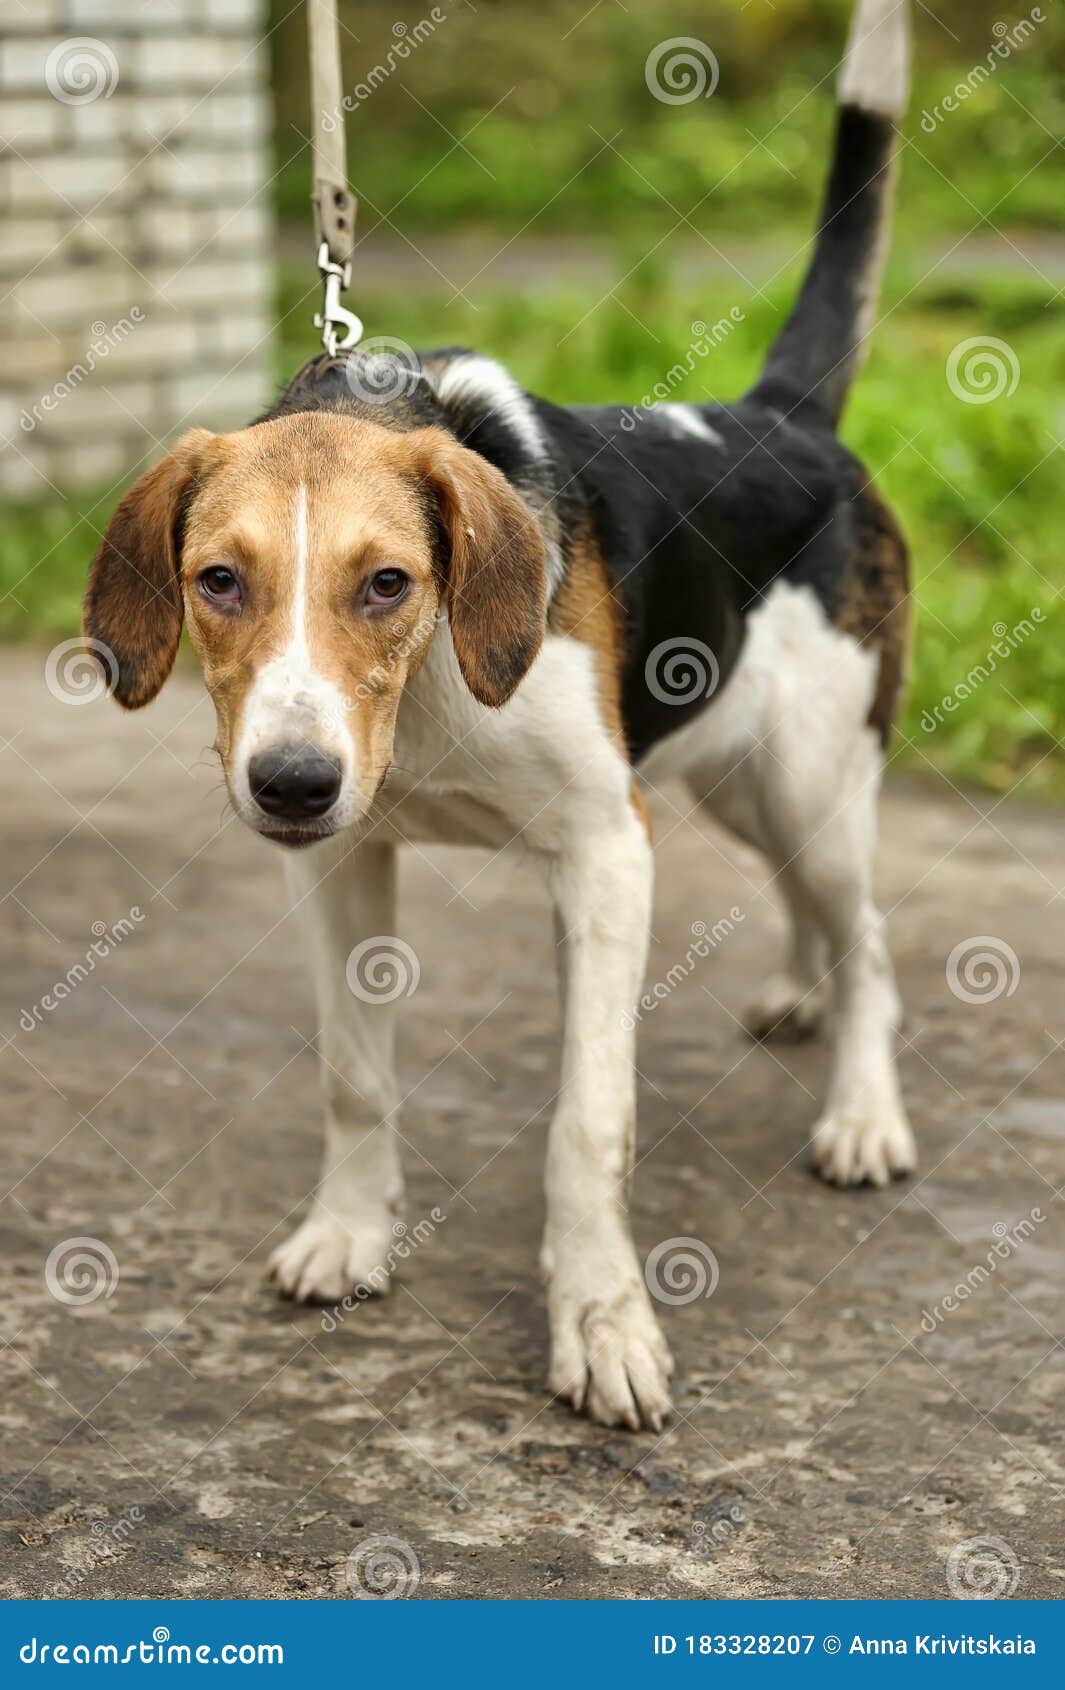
(345, 897)
(791, 1005)
(863, 1133)
(819, 782)
(801, 783)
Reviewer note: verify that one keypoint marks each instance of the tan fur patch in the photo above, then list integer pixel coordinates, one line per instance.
(873, 603)
(585, 609)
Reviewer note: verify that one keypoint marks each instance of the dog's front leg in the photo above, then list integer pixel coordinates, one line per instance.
(608, 1355)
(345, 898)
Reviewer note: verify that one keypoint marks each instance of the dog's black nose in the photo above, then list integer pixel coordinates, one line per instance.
(294, 782)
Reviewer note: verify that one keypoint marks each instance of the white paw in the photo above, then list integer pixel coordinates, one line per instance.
(323, 1261)
(859, 1148)
(609, 1358)
(786, 1010)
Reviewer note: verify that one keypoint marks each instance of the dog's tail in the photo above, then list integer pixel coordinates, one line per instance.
(820, 348)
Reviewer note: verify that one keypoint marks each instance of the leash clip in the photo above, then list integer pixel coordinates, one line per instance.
(334, 317)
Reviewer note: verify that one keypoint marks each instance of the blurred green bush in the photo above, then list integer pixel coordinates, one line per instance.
(500, 115)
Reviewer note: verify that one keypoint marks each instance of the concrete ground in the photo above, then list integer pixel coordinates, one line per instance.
(181, 1432)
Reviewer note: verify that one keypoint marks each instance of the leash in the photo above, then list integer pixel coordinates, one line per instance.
(334, 203)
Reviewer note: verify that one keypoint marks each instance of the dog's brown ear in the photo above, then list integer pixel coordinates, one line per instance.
(496, 568)
(133, 610)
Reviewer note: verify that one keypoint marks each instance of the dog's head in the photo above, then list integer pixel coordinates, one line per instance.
(313, 558)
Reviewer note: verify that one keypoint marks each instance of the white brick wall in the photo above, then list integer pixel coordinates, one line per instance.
(136, 254)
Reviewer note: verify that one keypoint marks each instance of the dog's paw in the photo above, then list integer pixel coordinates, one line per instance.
(324, 1262)
(859, 1149)
(609, 1359)
(786, 1011)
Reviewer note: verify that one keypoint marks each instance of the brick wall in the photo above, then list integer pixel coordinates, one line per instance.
(136, 245)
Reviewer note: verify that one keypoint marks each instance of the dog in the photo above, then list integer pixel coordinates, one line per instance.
(451, 613)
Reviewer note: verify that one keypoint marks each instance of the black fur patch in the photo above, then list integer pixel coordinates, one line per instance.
(694, 532)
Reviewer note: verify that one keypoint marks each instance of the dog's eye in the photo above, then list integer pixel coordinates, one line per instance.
(387, 586)
(220, 586)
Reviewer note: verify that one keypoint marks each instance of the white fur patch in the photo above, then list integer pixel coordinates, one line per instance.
(686, 419)
(490, 385)
(876, 64)
(483, 379)
(542, 769)
(288, 701)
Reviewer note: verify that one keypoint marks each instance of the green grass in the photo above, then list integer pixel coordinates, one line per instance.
(977, 485)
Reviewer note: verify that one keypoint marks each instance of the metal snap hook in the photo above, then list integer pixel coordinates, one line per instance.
(333, 316)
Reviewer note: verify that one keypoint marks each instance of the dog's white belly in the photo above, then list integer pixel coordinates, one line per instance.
(542, 770)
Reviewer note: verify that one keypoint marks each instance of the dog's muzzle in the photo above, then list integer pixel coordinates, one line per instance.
(295, 783)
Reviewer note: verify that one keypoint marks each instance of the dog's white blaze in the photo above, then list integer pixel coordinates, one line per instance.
(299, 602)
(289, 702)
(876, 64)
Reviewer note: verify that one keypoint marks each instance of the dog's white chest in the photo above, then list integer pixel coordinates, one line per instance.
(534, 771)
